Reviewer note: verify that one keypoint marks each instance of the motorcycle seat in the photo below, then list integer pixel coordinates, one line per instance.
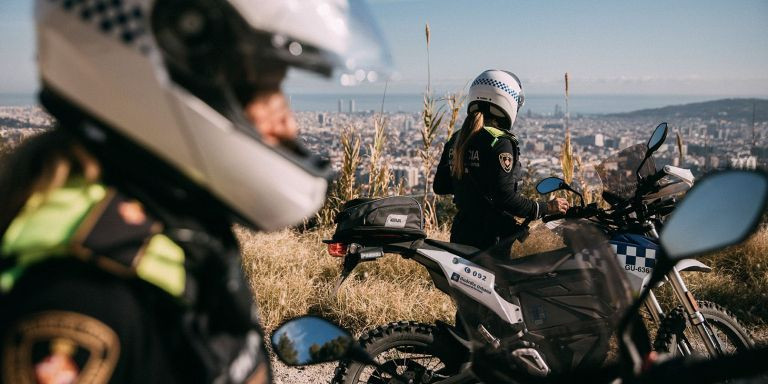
(462, 250)
(536, 264)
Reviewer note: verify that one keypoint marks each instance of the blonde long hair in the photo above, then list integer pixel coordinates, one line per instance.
(472, 124)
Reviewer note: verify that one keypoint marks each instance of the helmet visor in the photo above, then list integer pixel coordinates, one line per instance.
(367, 57)
(344, 42)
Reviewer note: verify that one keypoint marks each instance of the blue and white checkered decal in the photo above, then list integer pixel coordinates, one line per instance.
(630, 255)
(499, 85)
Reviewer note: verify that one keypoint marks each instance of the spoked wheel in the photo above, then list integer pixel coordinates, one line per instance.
(679, 338)
(417, 367)
(408, 348)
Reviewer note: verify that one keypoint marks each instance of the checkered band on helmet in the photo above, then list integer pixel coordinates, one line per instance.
(498, 84)
(122, 19)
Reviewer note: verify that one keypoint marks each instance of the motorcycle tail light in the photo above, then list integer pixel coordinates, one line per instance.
(337, 249)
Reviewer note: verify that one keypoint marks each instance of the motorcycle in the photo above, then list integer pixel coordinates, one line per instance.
(640, 198)
(704, 222)
(367, 229)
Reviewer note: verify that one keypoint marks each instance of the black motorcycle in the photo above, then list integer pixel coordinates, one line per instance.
(708, 219)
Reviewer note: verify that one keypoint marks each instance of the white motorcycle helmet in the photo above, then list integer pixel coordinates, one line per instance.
(497, 92)
(171, 77)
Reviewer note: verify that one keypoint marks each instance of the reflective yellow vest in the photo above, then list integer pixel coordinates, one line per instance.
(93, 223)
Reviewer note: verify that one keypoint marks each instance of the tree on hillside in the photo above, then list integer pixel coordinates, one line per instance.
(287, 350)
(331, 350)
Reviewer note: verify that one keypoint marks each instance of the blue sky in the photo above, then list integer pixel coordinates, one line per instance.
(692, 47)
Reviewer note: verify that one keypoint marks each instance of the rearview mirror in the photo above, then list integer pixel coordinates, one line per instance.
(657, 138)
(654, 142)
(549, 185)
(721, 210)
(310, 340)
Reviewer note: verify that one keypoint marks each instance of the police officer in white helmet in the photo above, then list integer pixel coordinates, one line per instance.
(480, 165)
(118, 263)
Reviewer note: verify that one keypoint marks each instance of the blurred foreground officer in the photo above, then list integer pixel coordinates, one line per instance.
(118, 263)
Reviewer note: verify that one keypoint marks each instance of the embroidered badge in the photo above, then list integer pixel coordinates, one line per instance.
(60, 347)
(506, 161)
(59, 366)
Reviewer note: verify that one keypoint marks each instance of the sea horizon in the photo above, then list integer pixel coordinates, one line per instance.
(587, 104)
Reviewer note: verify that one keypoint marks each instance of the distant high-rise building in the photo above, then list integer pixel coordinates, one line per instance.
(413, 176)
(340, 105)
(321, 119)
(599, 140)
(558, 111)
(407, 174)
(351, 105)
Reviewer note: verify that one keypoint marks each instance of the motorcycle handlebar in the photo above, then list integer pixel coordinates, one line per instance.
(574, 213)
(549, 218)
(649, 183)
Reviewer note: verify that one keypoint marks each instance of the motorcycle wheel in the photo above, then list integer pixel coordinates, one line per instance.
(678, 338)
(408, 347)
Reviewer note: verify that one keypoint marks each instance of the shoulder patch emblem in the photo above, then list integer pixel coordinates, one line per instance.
(506, 160)
(60, 347)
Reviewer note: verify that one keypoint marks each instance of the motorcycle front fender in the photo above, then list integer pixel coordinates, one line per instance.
(692, 265)
(687, 265)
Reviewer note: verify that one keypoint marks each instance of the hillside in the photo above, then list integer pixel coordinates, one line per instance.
(726, 109)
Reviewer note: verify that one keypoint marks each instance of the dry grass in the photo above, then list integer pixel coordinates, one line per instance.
(740, 281)
(292, 275)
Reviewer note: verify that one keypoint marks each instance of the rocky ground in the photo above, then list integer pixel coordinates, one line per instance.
(315, 374)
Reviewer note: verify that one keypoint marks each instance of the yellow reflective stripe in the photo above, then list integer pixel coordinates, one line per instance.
(497, 133)
(8, 278)
(48, 221)
(163, 265)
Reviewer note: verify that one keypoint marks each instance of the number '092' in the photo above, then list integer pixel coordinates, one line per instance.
(475, 274)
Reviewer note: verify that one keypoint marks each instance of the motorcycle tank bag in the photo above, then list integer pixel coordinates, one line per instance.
(380, 221)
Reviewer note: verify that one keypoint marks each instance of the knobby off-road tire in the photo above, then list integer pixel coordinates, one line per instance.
(674, 332)
(408, 346)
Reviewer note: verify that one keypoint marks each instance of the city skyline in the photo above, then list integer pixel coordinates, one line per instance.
(687, 47)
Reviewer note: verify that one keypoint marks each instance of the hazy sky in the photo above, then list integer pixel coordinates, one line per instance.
(694, 47)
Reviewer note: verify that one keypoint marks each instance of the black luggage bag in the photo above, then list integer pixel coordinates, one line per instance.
(380, 221)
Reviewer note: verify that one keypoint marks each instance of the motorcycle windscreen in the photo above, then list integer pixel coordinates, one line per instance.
(617, 172)
(571, 300)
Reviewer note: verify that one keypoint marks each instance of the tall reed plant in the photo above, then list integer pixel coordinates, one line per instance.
(681, 156)
(379, 173)
(432, 116)
(345, 186)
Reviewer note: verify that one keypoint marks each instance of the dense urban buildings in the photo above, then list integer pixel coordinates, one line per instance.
(706, 143)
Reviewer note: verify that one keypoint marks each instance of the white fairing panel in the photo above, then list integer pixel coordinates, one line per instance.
(474, 281)
(637, 263)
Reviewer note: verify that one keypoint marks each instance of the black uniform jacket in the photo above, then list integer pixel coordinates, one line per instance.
(487, 195)
(93, 321)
